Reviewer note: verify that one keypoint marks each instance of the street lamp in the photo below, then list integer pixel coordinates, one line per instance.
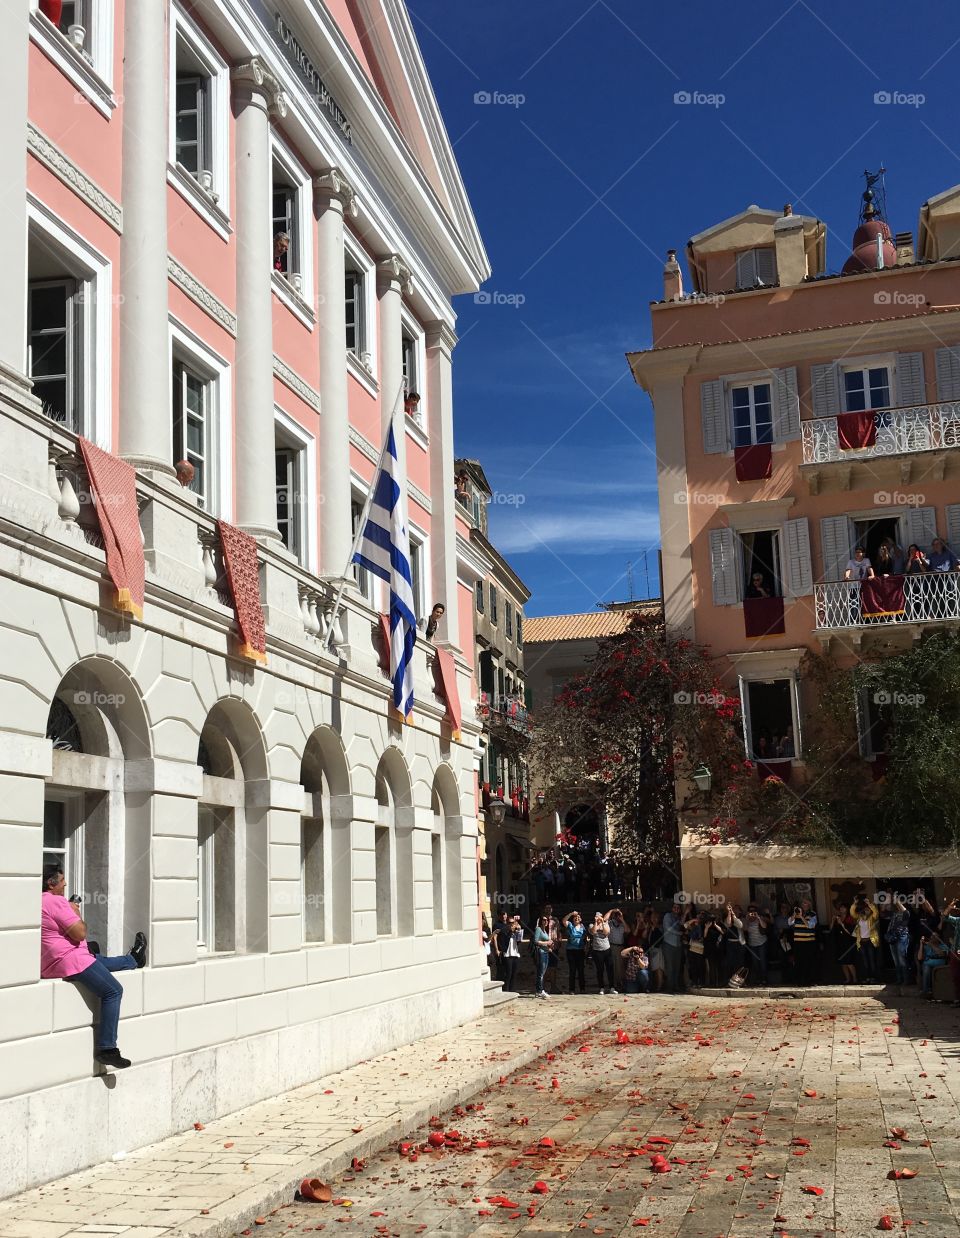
(496, 810)
(703, 778)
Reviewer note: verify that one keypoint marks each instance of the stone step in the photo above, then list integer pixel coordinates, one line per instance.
(493, 994)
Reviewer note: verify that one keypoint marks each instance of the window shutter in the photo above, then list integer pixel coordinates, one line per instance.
(766, 265)
(786, 407)
(948, 373)
(713, 417)
(863, 715)
(825, 389)
(911, 388)
(796, 540)
(835, 540)
(746, 269)
(723, 566)
(745, 716)
(952, 513)
(922, 526)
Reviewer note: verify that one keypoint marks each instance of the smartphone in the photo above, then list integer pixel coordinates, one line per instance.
(75, 898)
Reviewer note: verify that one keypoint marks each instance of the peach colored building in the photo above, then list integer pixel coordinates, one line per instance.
(798, 415)
(231, 236)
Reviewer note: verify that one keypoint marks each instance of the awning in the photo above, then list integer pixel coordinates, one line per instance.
(113, 484)
(243, 577)
(445, 669)
(768, 860)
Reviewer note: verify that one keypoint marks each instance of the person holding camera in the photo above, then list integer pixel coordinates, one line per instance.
(636, 969)
(575, 931)
(897, 937)
(758, 927)
(602, 953)
(65, 955)
(867, 937)
(932, 955)
(803, 934)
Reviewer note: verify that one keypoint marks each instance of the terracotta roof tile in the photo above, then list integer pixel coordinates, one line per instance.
(590, 626)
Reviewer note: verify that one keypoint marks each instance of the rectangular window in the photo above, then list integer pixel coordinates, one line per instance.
(752, 406)
(191, 427)
(411, 379)
(206, 896)
(355, 311)
(769, 719)
(508, 620)
(416, 573)
(360, 574)
(762, 575)
(493, 605)
(866, 388)
(55, 327)
(874, 721)
(285, 222)
(77, 13)
(63, 839)
(756, 268)
(519, 627)
(480, 597)
(290, 498)
(192, 119)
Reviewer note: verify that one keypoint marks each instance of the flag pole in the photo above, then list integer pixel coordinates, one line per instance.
(361, 525)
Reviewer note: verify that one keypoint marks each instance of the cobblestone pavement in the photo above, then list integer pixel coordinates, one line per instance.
(214, 1180)
(785, 1117)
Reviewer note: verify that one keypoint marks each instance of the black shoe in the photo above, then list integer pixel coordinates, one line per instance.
(139, 949)
(112, 1057)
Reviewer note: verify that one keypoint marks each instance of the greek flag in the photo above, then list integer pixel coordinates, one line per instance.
(384, 550)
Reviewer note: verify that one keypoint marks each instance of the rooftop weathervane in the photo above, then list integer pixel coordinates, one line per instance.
(874, 204)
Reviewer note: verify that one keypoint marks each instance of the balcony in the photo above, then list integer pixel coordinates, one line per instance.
(901, 432)
(505, 714)
(931, 598)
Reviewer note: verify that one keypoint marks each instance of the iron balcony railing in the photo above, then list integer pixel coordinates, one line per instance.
(508, 709)
(933, 597)
(900, 431)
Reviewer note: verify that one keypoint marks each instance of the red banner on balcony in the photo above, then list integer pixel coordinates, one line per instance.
(243, 576)
(753, 463)
(882, 596)
(774, 769)
(763, 617)
(113, 484)
(856, 430)
(445, 669)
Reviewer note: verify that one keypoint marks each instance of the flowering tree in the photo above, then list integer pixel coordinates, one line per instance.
(649, 709)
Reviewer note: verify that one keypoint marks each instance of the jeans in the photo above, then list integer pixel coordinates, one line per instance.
(543, 962)
(900, 949)
(641, 984)
(98, 980)
(869, 959)
(603, 962)
(575, 965)
(673, 966)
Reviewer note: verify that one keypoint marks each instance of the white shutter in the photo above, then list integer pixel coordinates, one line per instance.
(825, 390)
(766, 265)
(746, 269)
(724, 567)
(745, 716)
(948, 373)
(952, 513)
(836, 543)
(922, 526)
(786, 405)
(713, 417)
(796, 557)
(911, 388)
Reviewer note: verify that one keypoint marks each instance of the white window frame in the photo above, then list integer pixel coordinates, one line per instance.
(768, 677)
(887, 361)
(355, 257)
(213, 206)
(188, 348)
(420, 539)
(98, 305)
(416, 425)
(72, 852)
(749, 385)
(299, 301)
(303, 441)
(207, 825)
(367, 583)
(776, 532)
(90, 73)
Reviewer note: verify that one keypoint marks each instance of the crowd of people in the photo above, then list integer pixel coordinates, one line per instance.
(578, 873)
(863, 941)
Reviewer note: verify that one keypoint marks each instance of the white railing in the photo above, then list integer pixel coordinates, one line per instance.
(929, 598)
(900, 431)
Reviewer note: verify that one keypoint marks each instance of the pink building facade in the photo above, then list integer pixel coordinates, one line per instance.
(232, 234)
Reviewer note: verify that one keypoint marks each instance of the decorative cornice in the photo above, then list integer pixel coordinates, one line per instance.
(201, 295)
(332, 184)
(440, 334)
(290, 378)
(255, 75)
(421, 497)
(393, 269)
(364, 446)
(67, 171)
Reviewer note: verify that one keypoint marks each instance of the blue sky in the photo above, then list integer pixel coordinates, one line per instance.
(583, 171)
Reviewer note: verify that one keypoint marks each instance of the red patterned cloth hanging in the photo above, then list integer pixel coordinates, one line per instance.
(856, 430)
(243, 575)
(753, 463)
(445, 669)
(113, 484)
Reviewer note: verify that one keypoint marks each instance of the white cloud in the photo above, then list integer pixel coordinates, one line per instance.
(583, 530)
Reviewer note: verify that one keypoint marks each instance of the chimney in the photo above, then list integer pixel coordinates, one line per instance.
(903, 243)
(791, 254)
(672, 278)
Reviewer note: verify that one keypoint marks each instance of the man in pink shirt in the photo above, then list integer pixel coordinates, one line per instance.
(64, 954)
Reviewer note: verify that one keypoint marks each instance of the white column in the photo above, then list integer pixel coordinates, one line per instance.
(254, 93)
(145, 431)
(392, 279)
(333, 197)
(440, 340)
(14, 48)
